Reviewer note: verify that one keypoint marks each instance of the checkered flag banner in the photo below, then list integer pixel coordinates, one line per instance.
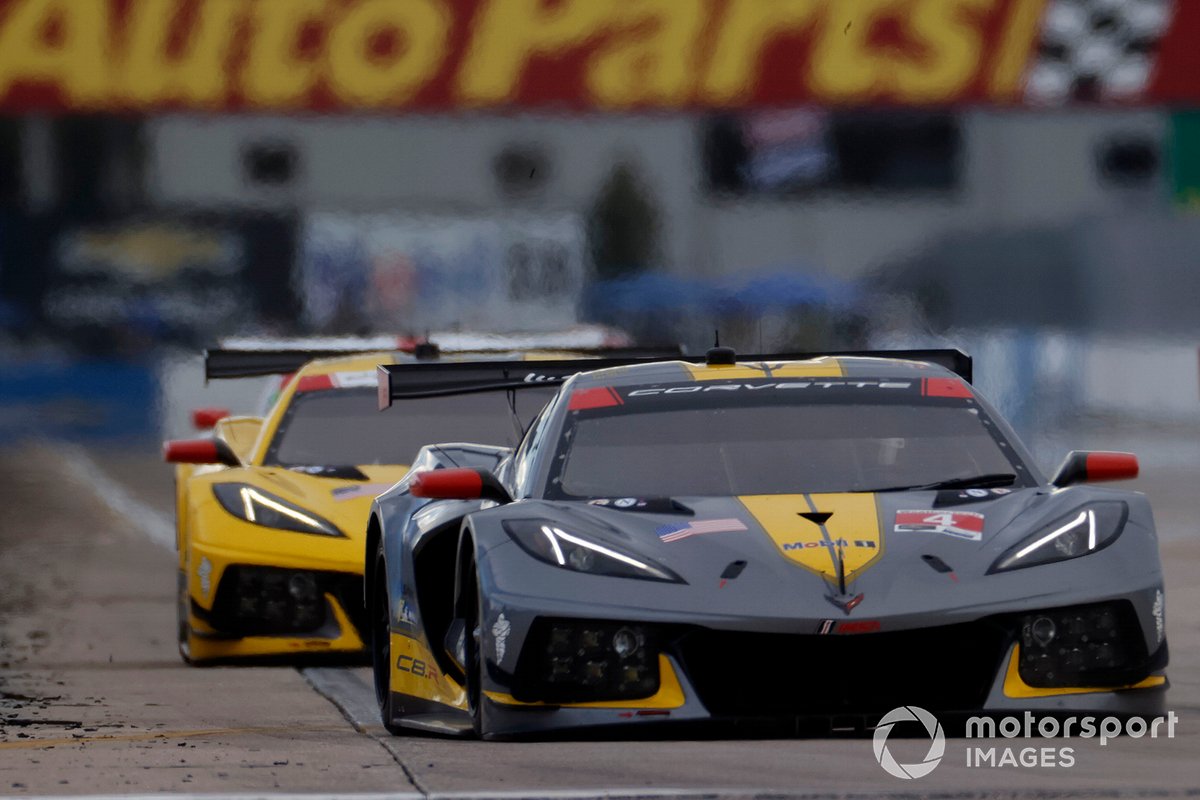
(1097, 50)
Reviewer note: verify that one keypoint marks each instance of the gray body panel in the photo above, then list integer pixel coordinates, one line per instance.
(772, 595)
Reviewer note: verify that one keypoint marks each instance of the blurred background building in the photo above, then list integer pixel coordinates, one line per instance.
(1016, 177)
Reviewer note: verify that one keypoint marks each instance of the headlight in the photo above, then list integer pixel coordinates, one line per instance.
(263, 508)
(1084, 530)
(549, 542)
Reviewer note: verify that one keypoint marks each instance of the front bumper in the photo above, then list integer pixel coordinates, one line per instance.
(820, 682)
(242, 607)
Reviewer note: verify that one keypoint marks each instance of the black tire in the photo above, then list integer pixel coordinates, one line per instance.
(182, 627)
(474, 665)
(381, 642)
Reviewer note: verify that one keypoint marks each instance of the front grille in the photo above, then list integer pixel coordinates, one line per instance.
(578, 660)
(946, 668)
(264, 601)
(1099, 644)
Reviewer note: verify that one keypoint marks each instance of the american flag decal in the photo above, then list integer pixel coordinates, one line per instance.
(673, 533)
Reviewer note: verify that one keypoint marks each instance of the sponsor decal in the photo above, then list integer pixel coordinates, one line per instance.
(769, 387)
(359, 490)
(417, 667)
(356, 380)
(676, 531)
(962, 497)
(644, 712)
(864, 543)
(966, 525)
(849, 541)
(1158, 611)
(858, 626)
(445, 55)
(500, 630)
(204, 573)
(406, 614)
(648, 505)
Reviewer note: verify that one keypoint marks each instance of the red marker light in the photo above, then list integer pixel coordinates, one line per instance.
(596, 397)
(447, 484)
(190, 451)
(205, 418)
(944, 387)
(1111, 466)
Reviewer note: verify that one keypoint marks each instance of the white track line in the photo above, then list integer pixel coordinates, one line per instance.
(84, 471)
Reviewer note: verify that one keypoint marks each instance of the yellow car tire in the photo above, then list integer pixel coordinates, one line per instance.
(183, 627)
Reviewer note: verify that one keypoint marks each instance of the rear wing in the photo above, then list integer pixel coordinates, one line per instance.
(439, 379)
(223, 362)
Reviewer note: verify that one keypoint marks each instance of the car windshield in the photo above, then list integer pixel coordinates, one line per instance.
(345, 426)
(848, 439)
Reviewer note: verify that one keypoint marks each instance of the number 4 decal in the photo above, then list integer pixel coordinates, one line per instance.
(959, 524)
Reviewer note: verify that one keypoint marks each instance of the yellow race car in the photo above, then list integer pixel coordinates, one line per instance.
(271, 511)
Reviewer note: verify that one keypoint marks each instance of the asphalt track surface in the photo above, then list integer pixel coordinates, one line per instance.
(94, 700)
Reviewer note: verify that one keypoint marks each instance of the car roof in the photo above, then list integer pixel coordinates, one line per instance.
(821, 367)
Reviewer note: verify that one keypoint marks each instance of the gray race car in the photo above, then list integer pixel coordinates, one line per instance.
(818, 539)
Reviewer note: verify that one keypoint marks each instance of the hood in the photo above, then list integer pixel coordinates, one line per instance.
(890, 548)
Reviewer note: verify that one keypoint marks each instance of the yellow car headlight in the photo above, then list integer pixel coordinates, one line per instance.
(254, 505)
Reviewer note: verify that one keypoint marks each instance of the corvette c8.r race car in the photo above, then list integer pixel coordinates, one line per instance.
(271, 511)
(808, 540)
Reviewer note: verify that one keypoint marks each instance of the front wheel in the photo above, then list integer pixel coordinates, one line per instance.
(381, 643)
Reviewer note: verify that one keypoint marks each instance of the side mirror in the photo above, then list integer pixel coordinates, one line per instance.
(458, 484)
(199, 451)
(241, 434)
(204, 419)
(1082, 466)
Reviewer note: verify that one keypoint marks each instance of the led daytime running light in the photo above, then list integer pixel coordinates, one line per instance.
(250, 496)
(1089, 516)
(552, 533)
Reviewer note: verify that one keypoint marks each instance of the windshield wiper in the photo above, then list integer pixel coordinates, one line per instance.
(970, 482)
